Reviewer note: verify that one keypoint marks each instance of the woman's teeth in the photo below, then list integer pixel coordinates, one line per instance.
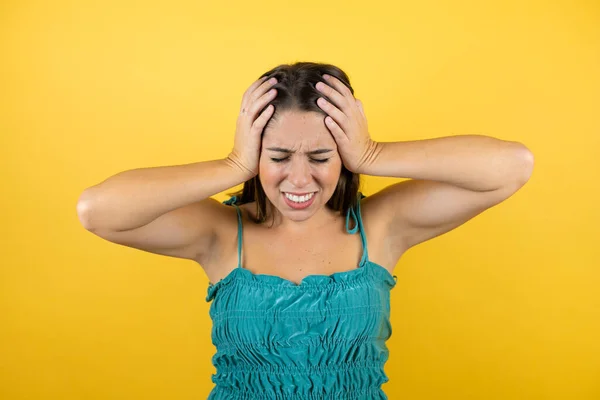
(299, 199)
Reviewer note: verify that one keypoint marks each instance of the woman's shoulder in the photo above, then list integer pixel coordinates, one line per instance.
(248, 211)
(225, 231)
(372, 214)
(376, 217)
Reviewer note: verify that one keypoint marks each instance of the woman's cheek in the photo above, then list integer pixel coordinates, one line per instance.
(270, 175)
(334, 170)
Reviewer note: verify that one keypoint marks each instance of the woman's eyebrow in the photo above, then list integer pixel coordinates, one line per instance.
(282, 150)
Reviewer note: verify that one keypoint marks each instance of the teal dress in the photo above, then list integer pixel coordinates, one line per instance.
(324, 338)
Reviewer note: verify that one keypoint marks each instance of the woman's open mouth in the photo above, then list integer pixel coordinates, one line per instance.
(299, 202)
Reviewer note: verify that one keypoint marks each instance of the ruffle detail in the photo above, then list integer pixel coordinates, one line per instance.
(373, 393)
(369, 270)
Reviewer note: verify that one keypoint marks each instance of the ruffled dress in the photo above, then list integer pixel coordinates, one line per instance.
(324, 338)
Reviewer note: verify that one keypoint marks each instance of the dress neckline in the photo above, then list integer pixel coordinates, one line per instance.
(370, 271)
(306, 281)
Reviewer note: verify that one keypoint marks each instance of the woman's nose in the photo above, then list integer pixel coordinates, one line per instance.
(299, 174)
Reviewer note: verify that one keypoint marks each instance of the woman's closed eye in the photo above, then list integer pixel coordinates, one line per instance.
(312, 160)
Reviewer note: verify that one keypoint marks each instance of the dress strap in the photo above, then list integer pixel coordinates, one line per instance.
(358, 226)
(231, 202)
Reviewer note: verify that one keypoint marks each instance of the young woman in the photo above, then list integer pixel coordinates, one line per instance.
(300, 262)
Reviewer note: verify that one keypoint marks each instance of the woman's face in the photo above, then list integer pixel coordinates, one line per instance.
(299, 157)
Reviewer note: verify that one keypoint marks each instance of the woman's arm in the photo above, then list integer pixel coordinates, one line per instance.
(134, 198)
(474, 162)
(453, 179)
(168, 210)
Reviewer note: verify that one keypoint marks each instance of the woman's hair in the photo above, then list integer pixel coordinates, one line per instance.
(296, 91)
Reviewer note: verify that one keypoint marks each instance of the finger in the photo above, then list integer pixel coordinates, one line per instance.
(338, 85)
(336, 131)
(257, 92)
(260, 103)
(254, 85)
(260, 122)
(259, 98)
(360, 107)
(334, 112)
(335, 97)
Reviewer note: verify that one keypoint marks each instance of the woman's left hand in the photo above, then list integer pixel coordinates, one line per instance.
(347, 123)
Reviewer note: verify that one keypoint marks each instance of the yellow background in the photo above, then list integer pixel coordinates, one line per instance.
(505, 307)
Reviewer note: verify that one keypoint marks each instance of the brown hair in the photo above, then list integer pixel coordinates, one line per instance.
(296, 91)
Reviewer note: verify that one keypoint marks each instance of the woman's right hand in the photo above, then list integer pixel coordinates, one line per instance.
(250, 125)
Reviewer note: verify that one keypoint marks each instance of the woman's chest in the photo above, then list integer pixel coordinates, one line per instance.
(293, 258)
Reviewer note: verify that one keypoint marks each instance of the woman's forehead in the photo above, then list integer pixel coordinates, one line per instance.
(300, 143)
(303, 131)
